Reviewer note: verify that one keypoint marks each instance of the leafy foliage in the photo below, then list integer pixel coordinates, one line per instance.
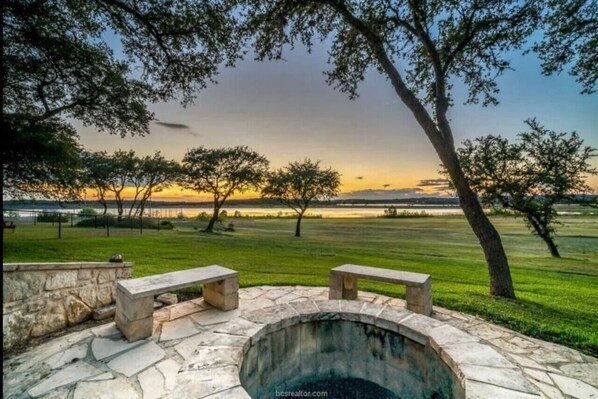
(571, 38)
(101, 63)
(51, 217)
(150, 174)
(430, 40)
(40, 159)
(114, 173)
(300, 183)
(421, 47)
(531, 176)
(222, 172)
(59, 57)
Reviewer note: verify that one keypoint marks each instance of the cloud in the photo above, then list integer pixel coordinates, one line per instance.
(433, 183)
(373, 193)
(177, 126)
(173, 125)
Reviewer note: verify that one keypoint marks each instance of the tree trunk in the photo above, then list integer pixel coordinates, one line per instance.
(298, 226)
(501, 283)
(105, 205)
(554, 252)
(214, 219)
(439, 133)
(119, 206)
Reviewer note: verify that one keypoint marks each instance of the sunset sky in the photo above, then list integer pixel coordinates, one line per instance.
(286, 111)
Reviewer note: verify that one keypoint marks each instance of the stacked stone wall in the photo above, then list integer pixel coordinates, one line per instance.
(42, 298)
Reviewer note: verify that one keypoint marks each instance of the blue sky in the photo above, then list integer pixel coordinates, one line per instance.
(286, 111)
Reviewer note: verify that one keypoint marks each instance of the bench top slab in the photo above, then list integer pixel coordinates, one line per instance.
(158, 284)
(386, 275)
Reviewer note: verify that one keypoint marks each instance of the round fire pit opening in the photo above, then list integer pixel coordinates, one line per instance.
(345, 359)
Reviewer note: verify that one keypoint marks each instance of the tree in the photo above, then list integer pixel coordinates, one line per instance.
(98, 174)
(421, 47)
(299, 183)
(545, 168)
(58, 58)
(59, 64)
(41, 159)
(155, 173)
(122, 167)
(222, 172)
(571, 38)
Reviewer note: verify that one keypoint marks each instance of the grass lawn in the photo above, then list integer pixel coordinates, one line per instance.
(557, 298)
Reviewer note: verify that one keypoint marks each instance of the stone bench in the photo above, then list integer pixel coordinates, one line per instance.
(343, 284)
(135, 297)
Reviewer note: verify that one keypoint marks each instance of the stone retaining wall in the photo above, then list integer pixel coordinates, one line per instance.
(41, 298)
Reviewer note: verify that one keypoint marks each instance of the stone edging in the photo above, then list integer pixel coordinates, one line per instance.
(13, 267)
(213, 369)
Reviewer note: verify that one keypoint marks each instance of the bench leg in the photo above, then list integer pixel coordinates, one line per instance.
(134, 317)
(419, 299)
(223, 294)
(342, 287)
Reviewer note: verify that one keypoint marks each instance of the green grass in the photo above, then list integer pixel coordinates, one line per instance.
(557, 298)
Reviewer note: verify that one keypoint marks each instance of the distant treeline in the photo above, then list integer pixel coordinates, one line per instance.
(254, 202)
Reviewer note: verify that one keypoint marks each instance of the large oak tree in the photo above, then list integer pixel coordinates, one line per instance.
(531, 176)
(421, 47)
(102, 62)
(221, 172)
(300, 183)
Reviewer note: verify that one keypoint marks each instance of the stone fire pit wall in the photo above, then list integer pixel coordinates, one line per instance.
(41, 298)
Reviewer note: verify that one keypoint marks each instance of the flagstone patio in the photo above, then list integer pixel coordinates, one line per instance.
(98, 363)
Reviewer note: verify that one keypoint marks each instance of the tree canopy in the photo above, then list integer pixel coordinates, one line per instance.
(60, 59)
(222, 172)
(101, 63)
(530, 177)
(300, 183)
(41, 158)
(422, 47)
(570, 39)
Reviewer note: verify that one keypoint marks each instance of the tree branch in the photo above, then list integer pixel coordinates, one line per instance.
(405, 94)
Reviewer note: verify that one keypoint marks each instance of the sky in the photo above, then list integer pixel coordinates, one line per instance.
(286, 111)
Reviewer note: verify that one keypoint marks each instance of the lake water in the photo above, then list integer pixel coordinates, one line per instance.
(343, 211)
(325, 212)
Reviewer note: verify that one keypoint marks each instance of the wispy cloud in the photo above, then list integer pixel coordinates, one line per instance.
(177, 126)
(433, 183)
(373, 193)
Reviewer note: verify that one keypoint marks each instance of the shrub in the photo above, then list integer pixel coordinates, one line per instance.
(230, 227)
(48, 217)
(125, 223)
(88, 211)
(166, 225)
(203, 216)
(392, 213)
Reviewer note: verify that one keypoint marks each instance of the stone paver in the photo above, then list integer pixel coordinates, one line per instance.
(135, 360)
(176, 329)
(66, 376)
(149, 368)
(104, 347)
(587, 372)
(152, 383)
(214, 316)
(120, 388)
(169, 369)
(59, 359)
(574, 388)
